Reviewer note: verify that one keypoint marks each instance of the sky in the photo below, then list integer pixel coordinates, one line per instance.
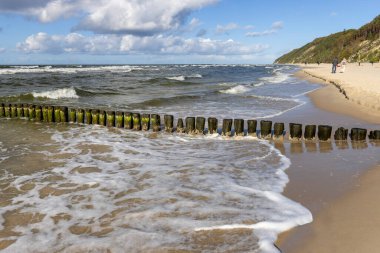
(169, 31)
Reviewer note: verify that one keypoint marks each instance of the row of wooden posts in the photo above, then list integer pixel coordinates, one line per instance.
(193, 125)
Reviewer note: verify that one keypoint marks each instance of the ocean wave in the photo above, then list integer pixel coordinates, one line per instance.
(68, 70)
(183, 78)
(236, 90)
(277, 77)
(57, 94)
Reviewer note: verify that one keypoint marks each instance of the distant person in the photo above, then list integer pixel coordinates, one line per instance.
(334, 65)
(318, 62)
(343, 65)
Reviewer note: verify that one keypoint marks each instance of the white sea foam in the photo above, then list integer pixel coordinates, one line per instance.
(155, 192)
(277, 77)
(69, 70)
(57, 94)
(236, 90)
(183, 78)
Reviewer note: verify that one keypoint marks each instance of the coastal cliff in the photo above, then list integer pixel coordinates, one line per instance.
(355, 45)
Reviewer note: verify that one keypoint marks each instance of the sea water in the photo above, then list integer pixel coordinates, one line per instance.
(70, 188)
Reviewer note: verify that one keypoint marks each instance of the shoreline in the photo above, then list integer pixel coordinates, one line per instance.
(329, 182)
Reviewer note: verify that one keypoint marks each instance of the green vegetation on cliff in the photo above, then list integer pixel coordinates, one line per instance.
(362, 45)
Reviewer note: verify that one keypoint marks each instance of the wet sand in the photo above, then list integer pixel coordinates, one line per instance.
(337, 182)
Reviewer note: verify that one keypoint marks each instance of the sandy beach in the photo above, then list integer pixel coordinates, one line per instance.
(337, 183)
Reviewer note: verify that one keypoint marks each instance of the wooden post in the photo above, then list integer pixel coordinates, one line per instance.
(38, 114)
(265, 129)
(110, 118)
(155, 121)
(50, 115)
(20, 111)
(310, 131)
(295, 131)
(57, 114)
(7, 111)
(169, 123)
(64, 113)
(374, 135)
(88, 116)
(128, 122)
(227, 126)
(25, 108)
(45, 113)
(72, 115)
(145, 122)
(190, 125)
(2, 112)
(14, 111)
(136, 121)
(32, 112)
(341, 134)
(200, 123)
(180, 126)
(324, 132)
(252, 125)
(119, 119)
(239, 127)
(102, 118)
(80, 116)
(212, 125)
(95, 116)
(278, 131)
(358, 134)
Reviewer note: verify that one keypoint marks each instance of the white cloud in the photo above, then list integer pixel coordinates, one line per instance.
(130, 44)
(220, 29)
(276, 26)
(137, 17)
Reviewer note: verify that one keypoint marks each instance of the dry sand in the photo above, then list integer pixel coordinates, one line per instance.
(358, 84)
(338, 183)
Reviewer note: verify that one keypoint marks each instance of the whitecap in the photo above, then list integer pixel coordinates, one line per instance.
(236, 90)
(57, 94)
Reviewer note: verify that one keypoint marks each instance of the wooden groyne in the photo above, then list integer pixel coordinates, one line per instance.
(193, 125)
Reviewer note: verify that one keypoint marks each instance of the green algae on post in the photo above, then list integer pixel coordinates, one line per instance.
(45, 113)
(341, 134)
(94, 116)
(358, 134)
(20, 111)
(14, 111)
(38, 111)
(25, 108)
(102, 118)
(7, 111)
(32, 112)
(145, 122)
(50, 115)
(72, 115)
(136, 121)
(88, 116)
(128, 122)
(119, 119)
(295, 131)
(80, 116)
(57, 114)
(110, 118)
(64, 111)
(2, 112)
(155, 121)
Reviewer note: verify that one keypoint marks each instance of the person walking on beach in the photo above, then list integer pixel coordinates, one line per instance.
(334, 64)
(343, 65)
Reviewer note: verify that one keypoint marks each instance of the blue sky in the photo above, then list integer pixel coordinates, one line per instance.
(168, 31)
